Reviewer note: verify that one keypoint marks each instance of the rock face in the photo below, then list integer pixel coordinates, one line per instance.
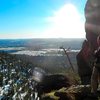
(80, 92)
(85, 56)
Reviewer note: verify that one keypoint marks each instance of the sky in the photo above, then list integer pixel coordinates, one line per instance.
(42, 19)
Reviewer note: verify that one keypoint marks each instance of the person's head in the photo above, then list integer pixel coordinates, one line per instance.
(92, 15)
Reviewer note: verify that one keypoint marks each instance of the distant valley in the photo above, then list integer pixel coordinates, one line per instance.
(44, 52)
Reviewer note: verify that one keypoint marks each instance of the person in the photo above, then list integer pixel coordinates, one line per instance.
(85, 57)
(95, 77)
(84, 69)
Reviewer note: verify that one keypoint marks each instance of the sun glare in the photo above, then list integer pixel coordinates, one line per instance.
(65, 23)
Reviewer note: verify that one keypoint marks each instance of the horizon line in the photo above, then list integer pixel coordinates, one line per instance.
(38, 38)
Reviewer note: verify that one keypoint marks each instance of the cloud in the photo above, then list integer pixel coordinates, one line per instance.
(19, 35)
(65, 23)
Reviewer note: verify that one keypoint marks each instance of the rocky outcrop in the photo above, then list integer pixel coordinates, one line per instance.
(85, 57)
(53, 82)
(79, 92)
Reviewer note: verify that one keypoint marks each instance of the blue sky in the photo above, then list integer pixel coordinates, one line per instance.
(41, 18)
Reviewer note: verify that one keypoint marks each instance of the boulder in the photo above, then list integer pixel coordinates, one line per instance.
(79, 92)
(53, 82)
